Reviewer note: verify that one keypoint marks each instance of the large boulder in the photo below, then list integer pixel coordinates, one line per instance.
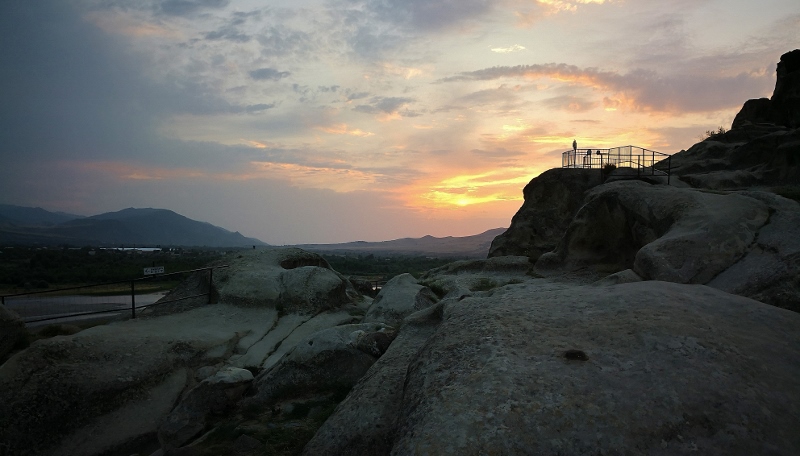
(551, 200)
(553, 368)
(662, 233)
(326, 361)
(290, 279)
(400, 297)
(741, 242)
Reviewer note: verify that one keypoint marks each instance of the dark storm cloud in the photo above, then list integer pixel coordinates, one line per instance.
(268, 74)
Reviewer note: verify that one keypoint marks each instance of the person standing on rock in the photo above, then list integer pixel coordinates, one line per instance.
(574, 152)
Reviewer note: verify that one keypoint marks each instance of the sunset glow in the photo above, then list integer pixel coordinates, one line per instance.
(358, 119)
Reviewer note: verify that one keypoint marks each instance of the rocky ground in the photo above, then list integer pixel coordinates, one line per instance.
(614, 317)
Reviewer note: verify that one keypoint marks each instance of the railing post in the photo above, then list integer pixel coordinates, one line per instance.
(669, 168)
(133, 300)
(210, 283)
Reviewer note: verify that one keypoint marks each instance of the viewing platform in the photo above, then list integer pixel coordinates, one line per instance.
(644, 162)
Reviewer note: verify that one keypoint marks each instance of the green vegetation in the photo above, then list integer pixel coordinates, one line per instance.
(28, 268)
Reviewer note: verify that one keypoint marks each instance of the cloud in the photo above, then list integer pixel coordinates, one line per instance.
(280, 40)
(429, 15)
(268, 74)
(387, 105)
(189, 7)
(506, 50)
(639, 90)
(228, 33)
(569, 103)
(343, 129)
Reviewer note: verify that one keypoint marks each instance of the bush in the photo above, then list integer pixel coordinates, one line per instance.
(713, 133)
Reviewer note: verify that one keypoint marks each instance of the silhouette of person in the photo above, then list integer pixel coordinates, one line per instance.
(588, 158)
(574, 145)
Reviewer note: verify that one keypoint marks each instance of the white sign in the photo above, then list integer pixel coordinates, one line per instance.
(155, 270)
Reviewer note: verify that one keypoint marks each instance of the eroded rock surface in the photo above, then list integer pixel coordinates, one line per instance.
(291, 279)
(554, 368)
(326, 361)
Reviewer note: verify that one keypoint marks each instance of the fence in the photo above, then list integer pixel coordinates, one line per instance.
(646, 162)
(74, 303)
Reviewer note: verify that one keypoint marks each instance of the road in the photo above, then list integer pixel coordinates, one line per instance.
(57, 309)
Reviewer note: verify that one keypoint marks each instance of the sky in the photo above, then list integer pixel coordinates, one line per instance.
(326, 121)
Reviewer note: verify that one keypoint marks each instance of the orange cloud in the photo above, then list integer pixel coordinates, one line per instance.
(343, 129)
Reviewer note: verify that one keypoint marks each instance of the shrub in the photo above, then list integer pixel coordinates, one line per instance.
(713, 133)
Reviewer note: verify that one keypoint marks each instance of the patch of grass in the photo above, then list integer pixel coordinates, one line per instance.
(436, 288)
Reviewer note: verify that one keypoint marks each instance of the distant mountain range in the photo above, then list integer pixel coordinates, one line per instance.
(34, 226)
(476, 246)
(128, 227)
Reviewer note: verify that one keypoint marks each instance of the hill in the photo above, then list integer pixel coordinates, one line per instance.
(36, 226)
(476, 246)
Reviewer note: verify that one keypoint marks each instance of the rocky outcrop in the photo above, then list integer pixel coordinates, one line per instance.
(662, 233)
(725, 240)
(550, 202)
(546, 368)
(13, 334)
(399, 298)
(365, 421)
(783, 108)
(324, 362)
(290, 279)
(173, 367)
(117, 380)
(762, 146)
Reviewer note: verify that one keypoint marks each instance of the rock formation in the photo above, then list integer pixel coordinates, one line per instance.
(168, 375)
(550, 202)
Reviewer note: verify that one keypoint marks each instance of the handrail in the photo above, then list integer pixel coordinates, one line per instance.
(132, 283)
(645, 161)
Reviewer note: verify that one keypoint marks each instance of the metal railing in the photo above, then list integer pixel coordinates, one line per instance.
(101, 298)
(646, 162)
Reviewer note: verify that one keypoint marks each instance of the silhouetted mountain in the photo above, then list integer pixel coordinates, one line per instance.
(33, 216)
(142, 227)
(476, 246)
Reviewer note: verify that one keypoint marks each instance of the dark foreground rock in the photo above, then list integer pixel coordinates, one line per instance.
(13, 334)
(543, 368)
